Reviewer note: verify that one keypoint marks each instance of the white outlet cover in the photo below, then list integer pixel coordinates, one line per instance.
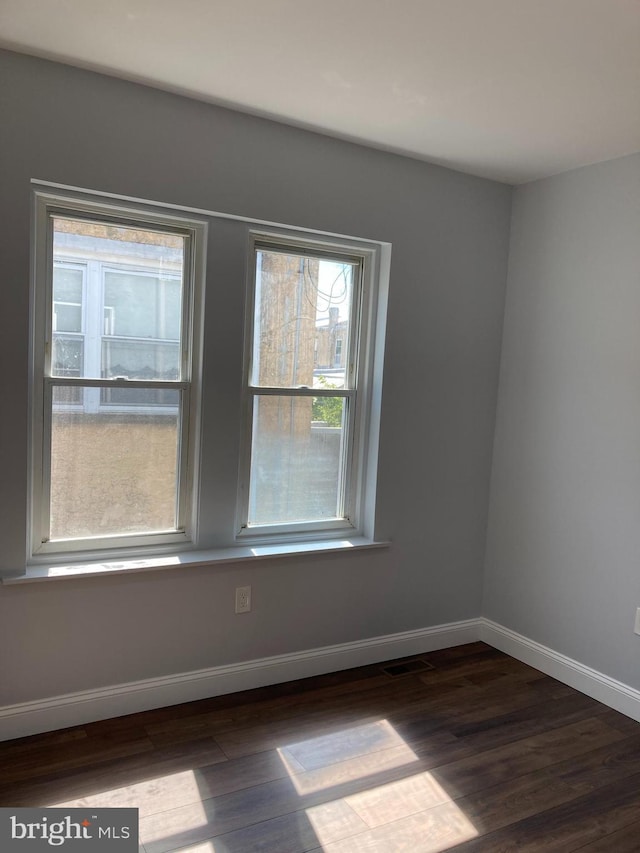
(243, 599)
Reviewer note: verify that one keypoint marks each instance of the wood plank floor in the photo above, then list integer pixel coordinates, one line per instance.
(481, 753)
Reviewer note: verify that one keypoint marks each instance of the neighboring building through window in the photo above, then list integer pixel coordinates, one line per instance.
(125, 322)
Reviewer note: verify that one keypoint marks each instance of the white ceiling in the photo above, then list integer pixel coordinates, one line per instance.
(507, 89)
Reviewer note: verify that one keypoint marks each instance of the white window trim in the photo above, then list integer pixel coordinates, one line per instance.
(103, 565)
(45, 206)
(206, 546)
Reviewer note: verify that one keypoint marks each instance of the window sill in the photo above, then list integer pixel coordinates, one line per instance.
(238, 554)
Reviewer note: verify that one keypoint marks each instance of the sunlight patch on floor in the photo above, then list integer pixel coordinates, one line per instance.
(414, 812)
(432, 831)
(345, 756)
(150, 797)
(388, 804)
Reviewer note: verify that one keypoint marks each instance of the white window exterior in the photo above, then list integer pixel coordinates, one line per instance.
(138, 445)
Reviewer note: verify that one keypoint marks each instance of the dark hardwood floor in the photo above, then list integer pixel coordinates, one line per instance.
(481, 753)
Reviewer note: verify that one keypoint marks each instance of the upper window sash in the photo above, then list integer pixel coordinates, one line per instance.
(98, 269)
(322, 286)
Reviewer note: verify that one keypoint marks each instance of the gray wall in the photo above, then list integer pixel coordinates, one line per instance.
(563, 549)
(450, 236)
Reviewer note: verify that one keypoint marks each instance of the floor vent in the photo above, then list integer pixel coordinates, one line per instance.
(407, 667)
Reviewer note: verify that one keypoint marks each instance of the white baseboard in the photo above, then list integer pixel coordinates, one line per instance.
(614, 694)
(73, 709)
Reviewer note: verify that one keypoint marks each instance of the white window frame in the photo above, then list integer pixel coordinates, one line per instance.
(215, 474)
(76, 205)
(359, 371)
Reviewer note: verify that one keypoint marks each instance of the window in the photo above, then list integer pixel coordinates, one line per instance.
(113, 377)
(302, 411)
(139, 445)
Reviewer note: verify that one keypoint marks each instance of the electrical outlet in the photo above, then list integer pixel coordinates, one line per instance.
(243, 599)
(636, 628)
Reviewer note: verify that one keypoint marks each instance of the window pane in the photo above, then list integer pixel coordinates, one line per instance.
(66, 356)
(142, 306)
(133, 289)
(112, 473)
(67, 317)
(296, 459)
(302, 311)
(67, 284)
(67, 352)
(139, 360)
(66, 360)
